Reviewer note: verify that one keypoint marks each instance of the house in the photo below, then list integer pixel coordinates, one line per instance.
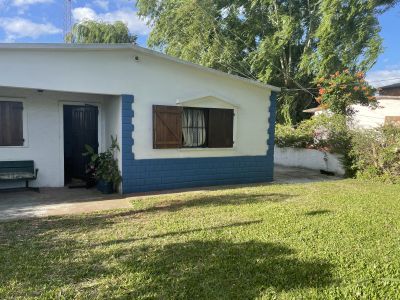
(388, 110)
(390, 90)
(178, 124)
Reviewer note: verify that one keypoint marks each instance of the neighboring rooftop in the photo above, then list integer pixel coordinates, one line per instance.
(391, 86)
(390, 90)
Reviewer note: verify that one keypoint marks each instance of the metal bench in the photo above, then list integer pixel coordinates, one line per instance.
(23, 170)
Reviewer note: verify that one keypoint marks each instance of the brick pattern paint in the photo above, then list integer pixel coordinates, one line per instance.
(163, 174)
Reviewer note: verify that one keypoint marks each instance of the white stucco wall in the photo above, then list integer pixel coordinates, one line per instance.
(152, 80)
(369, 118)
(112, 111)
(44, 133)
(309, 159)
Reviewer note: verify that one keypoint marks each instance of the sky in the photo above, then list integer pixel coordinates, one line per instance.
(27, 21)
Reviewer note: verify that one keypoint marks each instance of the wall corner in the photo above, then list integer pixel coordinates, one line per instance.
(271, 127)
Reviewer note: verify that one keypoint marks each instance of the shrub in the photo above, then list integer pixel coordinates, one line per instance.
(376, 153)
(343, 89)
(288, 136)
(324, 132)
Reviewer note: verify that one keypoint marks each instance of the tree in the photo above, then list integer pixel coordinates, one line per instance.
(341, 90)
(289, 43)
(92, 32)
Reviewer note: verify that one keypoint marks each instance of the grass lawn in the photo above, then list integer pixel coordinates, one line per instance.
(338, 239)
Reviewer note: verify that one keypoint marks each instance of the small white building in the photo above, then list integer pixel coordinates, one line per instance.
(388, 110)
(178, 124)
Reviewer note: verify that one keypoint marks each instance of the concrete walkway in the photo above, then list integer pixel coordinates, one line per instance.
(62, 201)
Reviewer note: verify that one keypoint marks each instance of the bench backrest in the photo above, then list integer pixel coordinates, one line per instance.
(21, 166)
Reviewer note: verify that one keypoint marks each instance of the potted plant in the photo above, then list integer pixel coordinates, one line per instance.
(104, 167)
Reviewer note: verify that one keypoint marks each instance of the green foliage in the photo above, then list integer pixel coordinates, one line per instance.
(365, 153)
(342, 90)
(93, 32)
(322, 132)
(285, 43)
(104, 166)
(289, 136)
(376, 153)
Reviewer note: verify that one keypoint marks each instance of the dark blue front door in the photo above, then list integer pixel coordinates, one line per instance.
(80, 129)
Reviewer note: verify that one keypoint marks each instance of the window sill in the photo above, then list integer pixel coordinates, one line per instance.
(206, 149)
(14, 147)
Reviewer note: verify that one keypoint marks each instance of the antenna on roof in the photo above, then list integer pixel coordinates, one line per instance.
(67, 19)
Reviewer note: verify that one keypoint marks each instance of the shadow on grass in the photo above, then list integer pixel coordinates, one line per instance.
(318, 212)
(198, 200)
(196, 269)
(224, 270)
(81, 223)
(178, 233)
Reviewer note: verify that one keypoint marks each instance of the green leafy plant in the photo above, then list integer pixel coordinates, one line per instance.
(376, 153)
(104, 166)
(342, 90)
(328, 133)
(324, 132)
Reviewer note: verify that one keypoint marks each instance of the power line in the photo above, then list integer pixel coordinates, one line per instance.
(352, 84)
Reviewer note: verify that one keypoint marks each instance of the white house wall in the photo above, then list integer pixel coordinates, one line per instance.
(152, 80)
(369, 118)
(44, 137)
(113, 123)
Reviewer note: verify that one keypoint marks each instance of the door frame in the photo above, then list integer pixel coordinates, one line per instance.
(100, 130)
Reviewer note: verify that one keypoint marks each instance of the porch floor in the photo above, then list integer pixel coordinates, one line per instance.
(22, 204)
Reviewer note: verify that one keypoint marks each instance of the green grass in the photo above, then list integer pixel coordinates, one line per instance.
(331, 240)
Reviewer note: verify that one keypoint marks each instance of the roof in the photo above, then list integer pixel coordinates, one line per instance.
(391, 86)
(110, 47)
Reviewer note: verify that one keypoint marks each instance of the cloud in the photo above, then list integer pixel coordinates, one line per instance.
(383, 77)
(16, 28)
(23, 3)
(103, 4)
(126, 15)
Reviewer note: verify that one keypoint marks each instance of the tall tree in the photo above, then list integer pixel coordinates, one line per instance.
(289, 43)
(92, 32)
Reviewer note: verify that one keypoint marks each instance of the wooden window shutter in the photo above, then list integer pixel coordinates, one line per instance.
(11, 123)
(167, 127)
(220, 128)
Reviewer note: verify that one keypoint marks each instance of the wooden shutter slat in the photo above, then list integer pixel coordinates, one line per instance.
(220, 128)
(11, 123)
(167, 127)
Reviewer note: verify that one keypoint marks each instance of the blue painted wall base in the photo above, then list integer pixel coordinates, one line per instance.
(163, 174)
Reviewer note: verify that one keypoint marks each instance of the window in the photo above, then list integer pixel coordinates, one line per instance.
(194, 127)
(11, 123)
(177, 127)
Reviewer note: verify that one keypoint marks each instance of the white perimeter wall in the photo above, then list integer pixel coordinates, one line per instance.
(44, 130)
(152, 80)
(309, 159)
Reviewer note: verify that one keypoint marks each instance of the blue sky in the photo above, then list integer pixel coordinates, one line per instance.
(43, 20)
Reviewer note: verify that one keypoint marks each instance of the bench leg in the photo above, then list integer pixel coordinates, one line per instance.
(29, 188)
